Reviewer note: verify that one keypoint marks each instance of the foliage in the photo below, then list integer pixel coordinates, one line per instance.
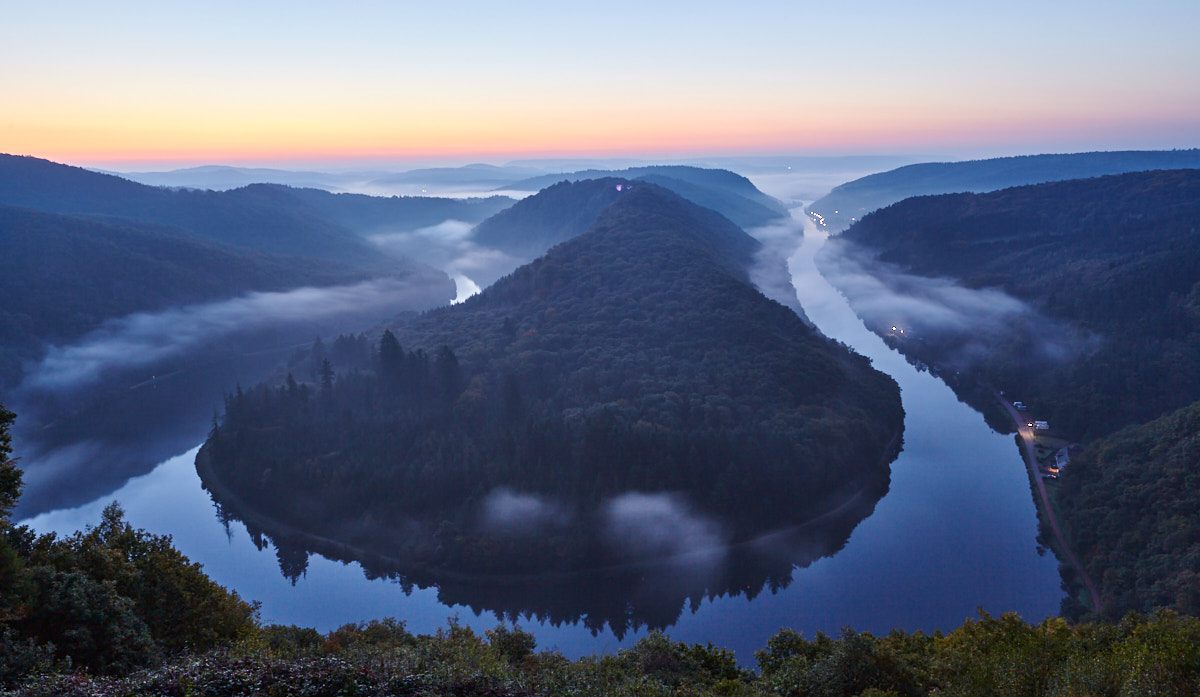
(1131, 503)
(1113, 258)
(1158, 655)
(109, 598)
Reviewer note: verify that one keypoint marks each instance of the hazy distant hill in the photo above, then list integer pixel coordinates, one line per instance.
(60, 276)
(556, 214)
(102, 246)
(481, 175)
(1116, 257)
(730, 194)
(857, 198)
(634, 357)
(262, 218)
(368, 215)
(222, 177)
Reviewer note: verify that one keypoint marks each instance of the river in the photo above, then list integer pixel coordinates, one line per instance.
(955, 532)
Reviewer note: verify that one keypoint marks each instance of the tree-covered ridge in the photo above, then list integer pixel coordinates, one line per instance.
(556, 214)
(1131, 502)
(633, 358)
(728, 193)
(369, 214)
(857, 198)
(567, 204)
(261, 218)
(1115, 258)
(61, 276)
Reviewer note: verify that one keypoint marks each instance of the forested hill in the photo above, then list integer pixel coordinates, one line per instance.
(555, 214)
(366, 215)
(726, 192)
(855, 199)
(1114, 257)
(262, 218)
(61, 276)
(1111, 265)
(1131, 502)
(635, 357)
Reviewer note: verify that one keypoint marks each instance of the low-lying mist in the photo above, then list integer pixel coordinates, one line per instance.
(448, 246)
(919, 308)
(146, 338)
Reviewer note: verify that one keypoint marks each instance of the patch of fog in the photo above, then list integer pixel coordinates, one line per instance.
(769, 272)
(146, 338)
(465, 288)
(511, 513)
(448, 246)
(661, 526)
(973, 320)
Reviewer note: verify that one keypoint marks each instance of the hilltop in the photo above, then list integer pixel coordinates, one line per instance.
(728, 193)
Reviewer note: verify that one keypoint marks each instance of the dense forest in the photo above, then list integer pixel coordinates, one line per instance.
(1111, 262)
(855, 199)
(1110, 270)
(635, 357)
(1132, 502)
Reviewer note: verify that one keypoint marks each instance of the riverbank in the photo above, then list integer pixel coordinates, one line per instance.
(1045, 510)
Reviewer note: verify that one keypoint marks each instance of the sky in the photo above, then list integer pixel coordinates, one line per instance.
(267, 82)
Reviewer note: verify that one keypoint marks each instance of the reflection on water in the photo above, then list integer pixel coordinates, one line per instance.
(955, 532)
(144, 387)
(620, 598)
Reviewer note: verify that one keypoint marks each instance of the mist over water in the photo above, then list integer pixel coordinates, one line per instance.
(656, 526)
(448, 246)
(146, 386)
(145, 338)
(915, 307)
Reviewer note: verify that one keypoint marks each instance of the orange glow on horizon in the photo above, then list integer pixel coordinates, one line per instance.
(562, 131)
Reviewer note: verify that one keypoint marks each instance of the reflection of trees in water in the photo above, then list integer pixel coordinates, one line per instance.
(623, 597)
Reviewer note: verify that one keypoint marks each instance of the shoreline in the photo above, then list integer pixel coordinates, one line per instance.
(347, 553)
(1045, 509)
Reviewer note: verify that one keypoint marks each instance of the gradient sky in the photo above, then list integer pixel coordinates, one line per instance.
(272, 82)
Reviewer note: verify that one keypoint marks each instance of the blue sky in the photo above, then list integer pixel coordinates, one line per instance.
(269, 82)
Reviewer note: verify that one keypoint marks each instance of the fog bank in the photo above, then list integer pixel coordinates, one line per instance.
(917, 308)
(146, 338)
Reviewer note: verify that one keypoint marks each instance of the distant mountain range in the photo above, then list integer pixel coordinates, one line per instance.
(855, 199)
(438, 180)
